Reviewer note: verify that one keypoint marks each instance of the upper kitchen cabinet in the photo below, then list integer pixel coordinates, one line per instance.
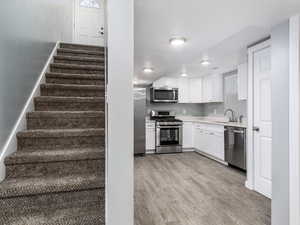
(195, 89)
(212, 88)
(183, 90)
(166, 82)
(242, 80)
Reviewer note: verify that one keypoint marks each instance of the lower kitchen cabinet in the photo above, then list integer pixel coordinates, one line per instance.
(207, 138)
(187, 135)
(150, 137)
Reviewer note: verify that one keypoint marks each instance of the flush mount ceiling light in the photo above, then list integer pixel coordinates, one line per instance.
(184, 75)
(177, 41)
(205, 62)
(148, 70)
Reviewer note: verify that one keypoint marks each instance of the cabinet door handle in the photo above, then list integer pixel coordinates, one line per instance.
(256, 129)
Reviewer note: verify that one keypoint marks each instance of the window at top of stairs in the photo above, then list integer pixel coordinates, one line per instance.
(90, 3)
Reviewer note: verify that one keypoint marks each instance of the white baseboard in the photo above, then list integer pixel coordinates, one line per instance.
(248, 185)
(11, 143)
(150, 151)
(211, 157)
(188, 150)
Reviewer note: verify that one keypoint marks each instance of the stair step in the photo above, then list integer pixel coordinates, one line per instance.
(78, 60)
(76, 69)
(82, 47)
(82, 53)
(60, 139)
(50, 103)
(17, 187)
(74, 90)
(40, 163)
(57, 155)
(70, 216)
(65, 120)
(82, 79)
(54, 208)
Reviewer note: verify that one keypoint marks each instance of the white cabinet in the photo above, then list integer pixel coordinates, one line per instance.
(209, 139)
(242, 81)
(212, 88)
(166, 82)
(150, 136)
(217, 88)
(183, 90)
(187, 135)
(195, 88)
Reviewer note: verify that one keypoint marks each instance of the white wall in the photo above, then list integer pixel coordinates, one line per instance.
(294, 120)
(29, 30)
(119, 188)
(280, 124)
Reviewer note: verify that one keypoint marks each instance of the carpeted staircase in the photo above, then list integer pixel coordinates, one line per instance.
(57, 175)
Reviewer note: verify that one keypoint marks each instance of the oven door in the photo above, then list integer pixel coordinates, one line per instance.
(164, 95)
(168, 139)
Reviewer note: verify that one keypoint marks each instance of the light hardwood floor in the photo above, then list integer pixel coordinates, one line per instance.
(189, 189)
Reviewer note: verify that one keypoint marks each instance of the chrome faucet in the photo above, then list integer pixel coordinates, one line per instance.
(232, 118)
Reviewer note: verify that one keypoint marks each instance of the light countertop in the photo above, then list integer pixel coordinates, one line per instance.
(208, 120)
(211, 120)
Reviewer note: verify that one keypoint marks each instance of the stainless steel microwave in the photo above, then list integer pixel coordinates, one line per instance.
(164, 95)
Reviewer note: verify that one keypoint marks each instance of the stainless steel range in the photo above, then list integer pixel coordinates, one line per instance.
(168, 132)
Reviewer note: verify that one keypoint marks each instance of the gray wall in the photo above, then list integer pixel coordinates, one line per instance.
(280, 124)
(230, 99)
(29, 30)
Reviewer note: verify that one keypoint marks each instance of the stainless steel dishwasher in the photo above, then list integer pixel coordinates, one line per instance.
(235, 146)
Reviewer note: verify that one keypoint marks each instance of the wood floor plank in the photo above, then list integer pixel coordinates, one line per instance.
(189, 189)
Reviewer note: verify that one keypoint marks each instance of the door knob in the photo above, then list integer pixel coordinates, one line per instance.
(256, 129)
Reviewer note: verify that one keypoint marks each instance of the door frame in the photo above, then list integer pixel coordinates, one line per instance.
(294, 120)
(74, 2)
(250, 134)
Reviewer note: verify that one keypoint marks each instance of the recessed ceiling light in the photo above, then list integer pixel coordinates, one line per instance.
(205, 62)
(184, 75)
(148, 70)
(177, 41)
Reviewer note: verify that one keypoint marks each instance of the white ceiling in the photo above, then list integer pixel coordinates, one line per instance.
(217, 29)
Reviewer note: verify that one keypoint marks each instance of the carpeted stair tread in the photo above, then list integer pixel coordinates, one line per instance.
(79, 59)
(80, 52)
(68, 99)
(75, 76)
(65, 119)
(64, 114)
(66, 216)
(57, 155)
(80, 67)
(17, 187)
(56, 103)
(73, 87)
(81, 46)
(60, 133)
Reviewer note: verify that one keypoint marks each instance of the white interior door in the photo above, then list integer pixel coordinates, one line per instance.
(262, 122)
(89, 22)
